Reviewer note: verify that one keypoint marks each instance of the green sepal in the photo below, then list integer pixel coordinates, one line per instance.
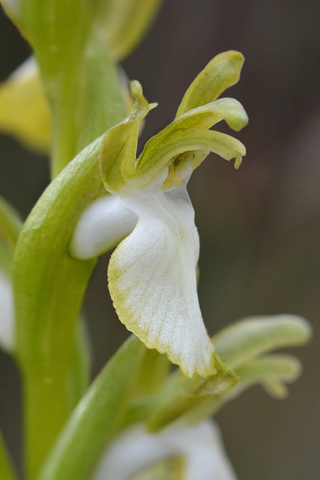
(243, 347)
(125, 22)
(248, 339)
(157, 156)
(182, 395)
(272, 372)
(185, 141)
(119, 144)
(222, 72)
(97, 417)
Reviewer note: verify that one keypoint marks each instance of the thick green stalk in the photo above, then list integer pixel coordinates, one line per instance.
(97, 417)
(89, 103)
(49, 287)
(86, 98)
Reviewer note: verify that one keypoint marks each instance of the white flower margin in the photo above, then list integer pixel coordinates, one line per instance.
(200, 445)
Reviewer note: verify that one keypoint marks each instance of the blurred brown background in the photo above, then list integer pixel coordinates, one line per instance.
(259, 226)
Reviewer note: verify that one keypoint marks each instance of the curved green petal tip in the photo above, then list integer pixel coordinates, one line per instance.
(222, 72)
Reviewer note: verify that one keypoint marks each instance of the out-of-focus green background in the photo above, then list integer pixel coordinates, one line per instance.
(259, 226)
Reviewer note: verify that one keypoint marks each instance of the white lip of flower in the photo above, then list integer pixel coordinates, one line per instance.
(6, 314)
(200, 446)
(152, 273)
(152, 270)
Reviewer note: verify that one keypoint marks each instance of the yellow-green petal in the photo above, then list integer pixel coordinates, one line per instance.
(156, 157)
(24, 112)
(119, 144)
(222, 72)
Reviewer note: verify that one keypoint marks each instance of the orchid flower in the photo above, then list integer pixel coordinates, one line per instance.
(152, 273)
(199, 447)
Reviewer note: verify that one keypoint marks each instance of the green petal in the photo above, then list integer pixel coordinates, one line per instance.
(241, 343)
(156, 157)
(221, 73)
(272, 372)
(119, 145)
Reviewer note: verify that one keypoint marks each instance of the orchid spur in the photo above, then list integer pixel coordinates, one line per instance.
(152, 273)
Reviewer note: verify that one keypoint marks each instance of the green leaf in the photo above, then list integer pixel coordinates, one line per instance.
(80, 364)
(222, 72)
(153, 372)
(49, 287)
(97, 417)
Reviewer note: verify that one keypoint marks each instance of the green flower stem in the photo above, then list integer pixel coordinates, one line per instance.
(6, 469)
(49, 287)
(86, 98)
(10, 224)
(97, 417)
(80, 78)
